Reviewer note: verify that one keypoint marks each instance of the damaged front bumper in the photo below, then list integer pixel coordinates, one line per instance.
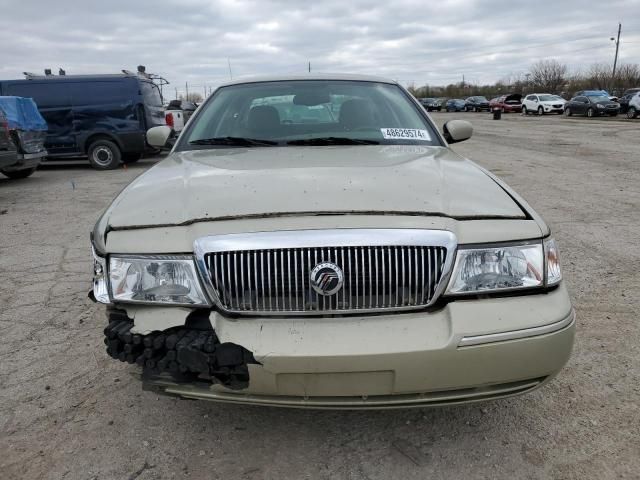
(468, 350)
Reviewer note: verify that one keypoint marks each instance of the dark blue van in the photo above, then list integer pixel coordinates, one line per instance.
(104, 117)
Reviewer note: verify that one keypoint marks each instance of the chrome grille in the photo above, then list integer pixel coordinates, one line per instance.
(277, 280)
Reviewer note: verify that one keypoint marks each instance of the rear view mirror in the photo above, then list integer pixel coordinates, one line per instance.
(158, 137)
(457, 131)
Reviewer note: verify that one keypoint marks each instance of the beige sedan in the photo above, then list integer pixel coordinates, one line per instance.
(314, 242)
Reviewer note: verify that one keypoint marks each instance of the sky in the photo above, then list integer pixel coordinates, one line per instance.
(205, 43)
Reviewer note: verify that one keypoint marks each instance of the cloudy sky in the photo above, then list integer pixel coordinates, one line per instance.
(419, 42)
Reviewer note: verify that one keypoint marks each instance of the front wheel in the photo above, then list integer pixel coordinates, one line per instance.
(632, 112)
(17, 174)
(524, 110)
(104, 155)
(567, 112)
(591, 112)
(540, 111)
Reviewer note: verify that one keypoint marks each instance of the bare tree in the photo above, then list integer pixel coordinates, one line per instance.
(627, 76)
(548, 75)
(599, 76)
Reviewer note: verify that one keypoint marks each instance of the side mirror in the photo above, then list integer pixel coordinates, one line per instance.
(457, 131)
(159, 137)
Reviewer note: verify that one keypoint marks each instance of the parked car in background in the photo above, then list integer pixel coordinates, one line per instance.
(633, 108)
(178, 113)
(595, 93)
(104, 117)
(507, 103)
(476, 104)
(626, 96)
(591, 106)
(542, 103)
(436, 285)
(431, 104)
(454, 105)
(24, 127)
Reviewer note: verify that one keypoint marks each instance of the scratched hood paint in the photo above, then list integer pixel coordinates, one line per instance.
(236, 182)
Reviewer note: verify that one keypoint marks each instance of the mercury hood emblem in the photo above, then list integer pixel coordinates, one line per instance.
(326, 278)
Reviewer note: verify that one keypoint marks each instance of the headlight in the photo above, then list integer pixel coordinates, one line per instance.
(552, 260)
(479, 270)
(100, 291)
(164, 279)
(599, 106)
(512, 267)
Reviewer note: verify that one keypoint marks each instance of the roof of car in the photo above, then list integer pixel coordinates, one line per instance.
(310, 76)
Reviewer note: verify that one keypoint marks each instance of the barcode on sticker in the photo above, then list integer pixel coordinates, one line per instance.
(405, 134)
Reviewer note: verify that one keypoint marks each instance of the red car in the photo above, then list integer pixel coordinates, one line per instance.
(507, 103)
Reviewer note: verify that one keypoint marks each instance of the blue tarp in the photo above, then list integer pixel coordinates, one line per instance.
(22, 114)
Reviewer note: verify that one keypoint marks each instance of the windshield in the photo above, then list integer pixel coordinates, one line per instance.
(308, 112)
(598, 98)
(547, 98)
(151, 94)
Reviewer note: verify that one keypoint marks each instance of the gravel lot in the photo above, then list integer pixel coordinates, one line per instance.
(68, 411)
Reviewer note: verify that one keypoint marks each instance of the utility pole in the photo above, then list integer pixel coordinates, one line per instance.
(615, 59)
(186, 86)
(229, 64)
(309, 67)
(176, 93)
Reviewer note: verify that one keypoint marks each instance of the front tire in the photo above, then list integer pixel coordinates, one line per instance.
(540, 111)
(524, 110)
(591, 112)
(18, 174)
(104, 155)
(632, 112)
(567, 112)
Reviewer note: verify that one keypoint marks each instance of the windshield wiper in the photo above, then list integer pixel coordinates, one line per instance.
(332, 141)
(234, 142)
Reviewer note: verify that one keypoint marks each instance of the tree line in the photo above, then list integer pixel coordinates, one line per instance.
(548, 76)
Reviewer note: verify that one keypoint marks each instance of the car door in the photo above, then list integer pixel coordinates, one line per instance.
(533, 103)
(581, 105)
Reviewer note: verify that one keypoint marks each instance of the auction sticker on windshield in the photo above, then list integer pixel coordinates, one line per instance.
(405, 134)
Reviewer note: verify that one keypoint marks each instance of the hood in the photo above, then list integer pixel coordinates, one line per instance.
(228, 183)
(514, 97)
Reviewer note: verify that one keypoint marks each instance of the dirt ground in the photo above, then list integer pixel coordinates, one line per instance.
(67, 411)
